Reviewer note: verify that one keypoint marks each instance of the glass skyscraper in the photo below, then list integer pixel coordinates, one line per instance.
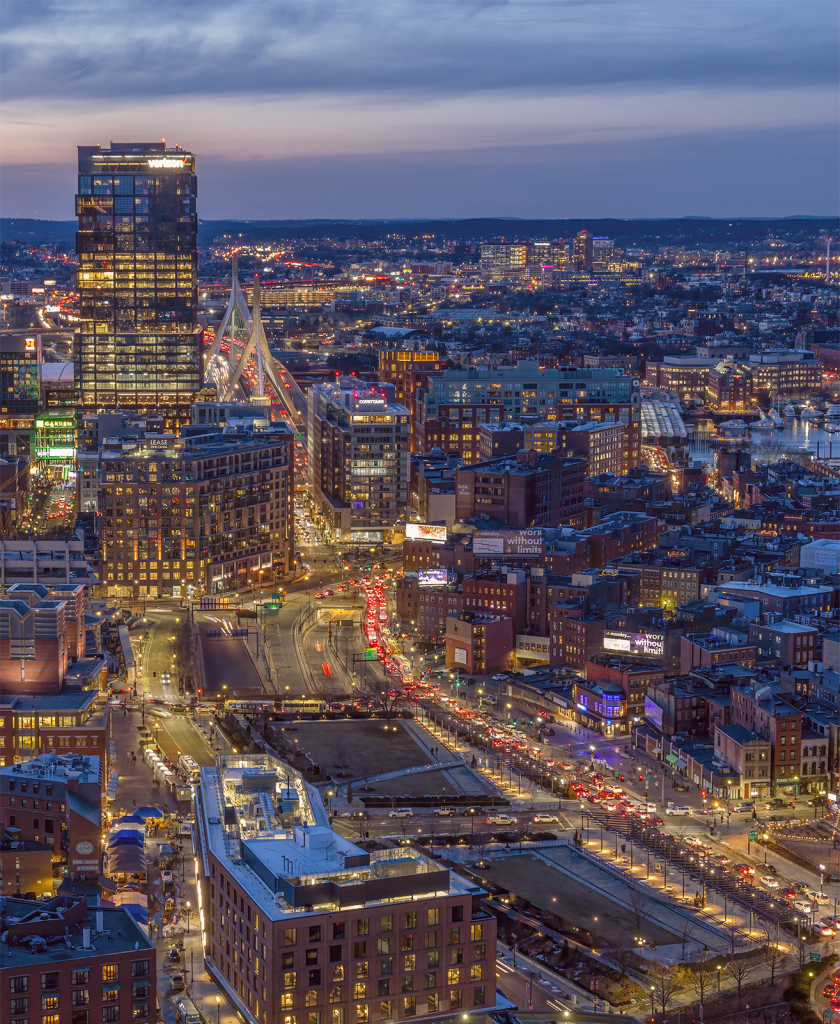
(139, 344)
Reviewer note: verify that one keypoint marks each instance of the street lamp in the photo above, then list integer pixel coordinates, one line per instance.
(188, 917)
(822, 877)
(651, 999)
(765, 837)
(218, 1008)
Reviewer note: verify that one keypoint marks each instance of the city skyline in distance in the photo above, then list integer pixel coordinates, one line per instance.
(412, 111)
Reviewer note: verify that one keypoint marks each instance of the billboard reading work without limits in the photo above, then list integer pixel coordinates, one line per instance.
(432, 577)
(652, 644)
(508, 542)
(426, 531)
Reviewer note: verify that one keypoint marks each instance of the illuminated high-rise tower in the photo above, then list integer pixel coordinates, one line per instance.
(139, 343)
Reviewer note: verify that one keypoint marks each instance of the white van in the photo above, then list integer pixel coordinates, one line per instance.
(678, 811)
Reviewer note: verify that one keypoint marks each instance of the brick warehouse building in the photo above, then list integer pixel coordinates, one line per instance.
(301, 926)
(54, 801)
(62, 962)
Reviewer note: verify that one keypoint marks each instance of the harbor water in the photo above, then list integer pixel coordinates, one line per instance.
(797, 434)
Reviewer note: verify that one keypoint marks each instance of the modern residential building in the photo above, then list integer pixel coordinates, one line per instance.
(582, 251)
(138, 346)
(330, 934)
(198, 514)
(358, 444)
(64, 961)
(20, 375)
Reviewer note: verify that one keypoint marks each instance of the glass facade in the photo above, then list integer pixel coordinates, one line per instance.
(20, 379)
(138, 347)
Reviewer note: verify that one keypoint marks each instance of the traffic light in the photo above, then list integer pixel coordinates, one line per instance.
(622, 778)
(641, 777)
(702, 792)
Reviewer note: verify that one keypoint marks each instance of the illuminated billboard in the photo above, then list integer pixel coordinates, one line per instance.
(432, 577)
(426, 531)
(488, 545)
(653, 712)
(650, 644)
(509, 542)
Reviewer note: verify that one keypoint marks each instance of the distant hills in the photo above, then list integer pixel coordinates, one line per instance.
(694, 231)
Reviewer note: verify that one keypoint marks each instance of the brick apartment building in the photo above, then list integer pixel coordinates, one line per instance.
(760, 710)
(785, 642)
(479, 642)
(303, 925)
(423, 609)
(632, 675)
(721, 646)
(196, 514)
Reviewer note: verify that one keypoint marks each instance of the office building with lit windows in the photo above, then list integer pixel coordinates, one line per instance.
(138, 346)
(302, 926)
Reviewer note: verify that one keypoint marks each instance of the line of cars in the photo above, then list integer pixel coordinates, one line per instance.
(832, 992)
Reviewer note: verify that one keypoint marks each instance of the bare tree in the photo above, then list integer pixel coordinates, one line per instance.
(623, 957)
(734, 937)
(739, 969)
(686, 933)
(769, 451)
(341, 754)
(665, 985)
(479, 841)
(383, 698)
(774, 956)
(366, 765)
(640, 904)
(700, 978)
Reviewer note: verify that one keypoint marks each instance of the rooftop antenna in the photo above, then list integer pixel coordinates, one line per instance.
(828, 260)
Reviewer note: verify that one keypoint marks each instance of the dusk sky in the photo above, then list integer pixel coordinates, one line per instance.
(575, 108)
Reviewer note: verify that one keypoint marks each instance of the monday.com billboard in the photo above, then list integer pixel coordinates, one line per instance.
(651, 644)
